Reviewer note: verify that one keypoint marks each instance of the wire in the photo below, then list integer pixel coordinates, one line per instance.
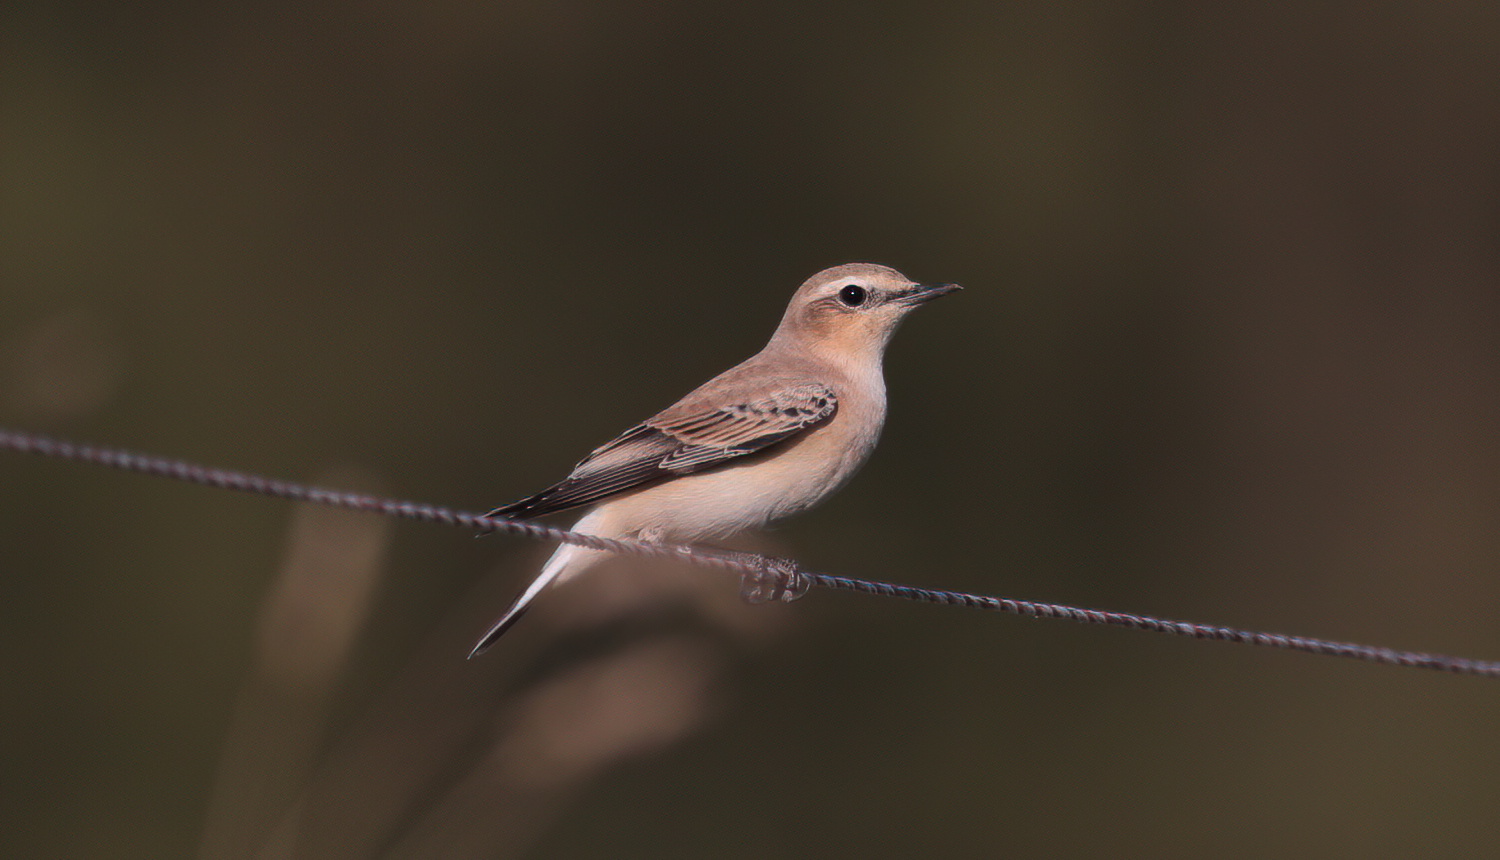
(763, 578)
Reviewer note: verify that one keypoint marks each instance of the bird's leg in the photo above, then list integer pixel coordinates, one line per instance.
(766, 579)
(763, 578)
(774, 580)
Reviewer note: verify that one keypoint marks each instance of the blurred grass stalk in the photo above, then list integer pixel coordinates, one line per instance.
(317, 605)
(455, 758)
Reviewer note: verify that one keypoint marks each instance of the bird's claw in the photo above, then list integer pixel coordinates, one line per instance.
(774, 580)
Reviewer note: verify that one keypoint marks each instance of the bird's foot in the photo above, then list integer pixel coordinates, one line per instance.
(773, 580)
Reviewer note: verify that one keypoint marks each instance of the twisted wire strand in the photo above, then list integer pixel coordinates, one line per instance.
(747, 565)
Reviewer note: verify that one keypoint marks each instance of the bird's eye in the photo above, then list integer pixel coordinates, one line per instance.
(852, 296)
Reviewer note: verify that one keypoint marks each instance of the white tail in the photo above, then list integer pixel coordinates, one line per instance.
(569, 559)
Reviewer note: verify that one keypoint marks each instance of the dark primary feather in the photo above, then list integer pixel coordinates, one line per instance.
(689, 437)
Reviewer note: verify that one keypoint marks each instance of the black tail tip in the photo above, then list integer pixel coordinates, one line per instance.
(494, 633)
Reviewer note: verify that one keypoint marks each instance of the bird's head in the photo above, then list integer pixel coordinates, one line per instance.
(851, 311)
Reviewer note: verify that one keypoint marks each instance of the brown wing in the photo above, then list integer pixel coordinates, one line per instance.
(680, 441)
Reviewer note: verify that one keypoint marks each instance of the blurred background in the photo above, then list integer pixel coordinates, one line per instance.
(1230, 351)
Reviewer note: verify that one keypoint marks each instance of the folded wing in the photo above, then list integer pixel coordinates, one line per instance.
(688, 438)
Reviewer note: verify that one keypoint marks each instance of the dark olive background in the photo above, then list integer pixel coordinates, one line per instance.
(1229, 351)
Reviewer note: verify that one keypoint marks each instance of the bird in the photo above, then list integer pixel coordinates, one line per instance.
(770, 437)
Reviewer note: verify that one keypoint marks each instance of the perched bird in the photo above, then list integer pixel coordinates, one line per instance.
(769, 437)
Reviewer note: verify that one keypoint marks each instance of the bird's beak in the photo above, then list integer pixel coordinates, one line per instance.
(920, 293)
